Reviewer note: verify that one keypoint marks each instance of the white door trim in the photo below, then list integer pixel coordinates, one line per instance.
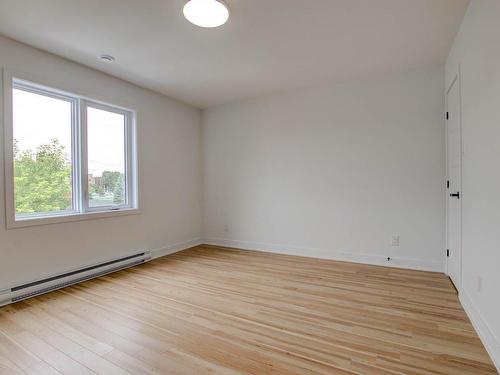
(456, 80)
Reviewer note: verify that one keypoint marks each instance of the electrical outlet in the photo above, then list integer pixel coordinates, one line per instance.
(395, 240)
(479, 284)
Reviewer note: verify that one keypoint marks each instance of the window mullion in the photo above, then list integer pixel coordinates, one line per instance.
(84, 186)
(128, 169)
(75, 156)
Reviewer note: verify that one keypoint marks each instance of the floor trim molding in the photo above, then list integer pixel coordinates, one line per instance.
(490, 341)
(174, 248)
(377, 260)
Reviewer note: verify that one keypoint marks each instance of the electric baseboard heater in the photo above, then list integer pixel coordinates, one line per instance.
(35, 288)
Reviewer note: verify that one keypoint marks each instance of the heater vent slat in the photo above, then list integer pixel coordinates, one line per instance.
(28, 285)
(73, 281)
(49, 284)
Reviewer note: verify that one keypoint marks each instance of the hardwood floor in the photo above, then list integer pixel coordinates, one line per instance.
(211, 310)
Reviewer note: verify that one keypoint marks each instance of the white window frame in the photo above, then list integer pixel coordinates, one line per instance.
(79, 160)
(129, 162)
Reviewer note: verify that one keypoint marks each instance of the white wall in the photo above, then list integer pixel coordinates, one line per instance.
(477, 51)
(331, 172)
(170, 178)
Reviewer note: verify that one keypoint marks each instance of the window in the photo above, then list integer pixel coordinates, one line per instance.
(106, 134)
(70, 157)
(43, 153)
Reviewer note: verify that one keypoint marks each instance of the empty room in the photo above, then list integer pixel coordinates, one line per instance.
(250, 187)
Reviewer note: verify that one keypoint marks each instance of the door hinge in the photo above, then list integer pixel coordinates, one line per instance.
(447, 253)
(448, 184)
(447, 115)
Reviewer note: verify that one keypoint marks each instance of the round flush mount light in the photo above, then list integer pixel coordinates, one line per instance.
(107, 58)
(206, 13)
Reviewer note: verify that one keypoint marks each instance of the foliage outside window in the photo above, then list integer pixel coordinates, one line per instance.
(42, 179)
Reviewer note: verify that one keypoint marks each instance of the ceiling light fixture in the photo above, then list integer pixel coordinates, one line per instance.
(206, 13)
(107, 58)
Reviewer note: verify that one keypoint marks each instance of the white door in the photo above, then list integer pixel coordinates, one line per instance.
(454, 183)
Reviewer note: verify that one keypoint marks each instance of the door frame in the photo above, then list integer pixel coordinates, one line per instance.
(456, 80)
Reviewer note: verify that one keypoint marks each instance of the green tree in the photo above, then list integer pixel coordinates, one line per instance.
(42, 178)
(96, 189)
(119, 192)
(111, 180)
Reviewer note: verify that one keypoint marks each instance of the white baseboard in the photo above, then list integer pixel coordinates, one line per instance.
(378, 260)
(490, 341)
(170, 249)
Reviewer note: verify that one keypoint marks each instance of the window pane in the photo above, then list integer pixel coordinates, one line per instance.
(106, 158)
(42, 153)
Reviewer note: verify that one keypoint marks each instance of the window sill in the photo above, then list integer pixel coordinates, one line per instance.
(22, 223)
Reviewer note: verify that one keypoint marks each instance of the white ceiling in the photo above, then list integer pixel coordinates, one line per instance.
(267, 45)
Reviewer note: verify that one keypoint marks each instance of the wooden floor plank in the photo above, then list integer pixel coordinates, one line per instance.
(212, 310)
